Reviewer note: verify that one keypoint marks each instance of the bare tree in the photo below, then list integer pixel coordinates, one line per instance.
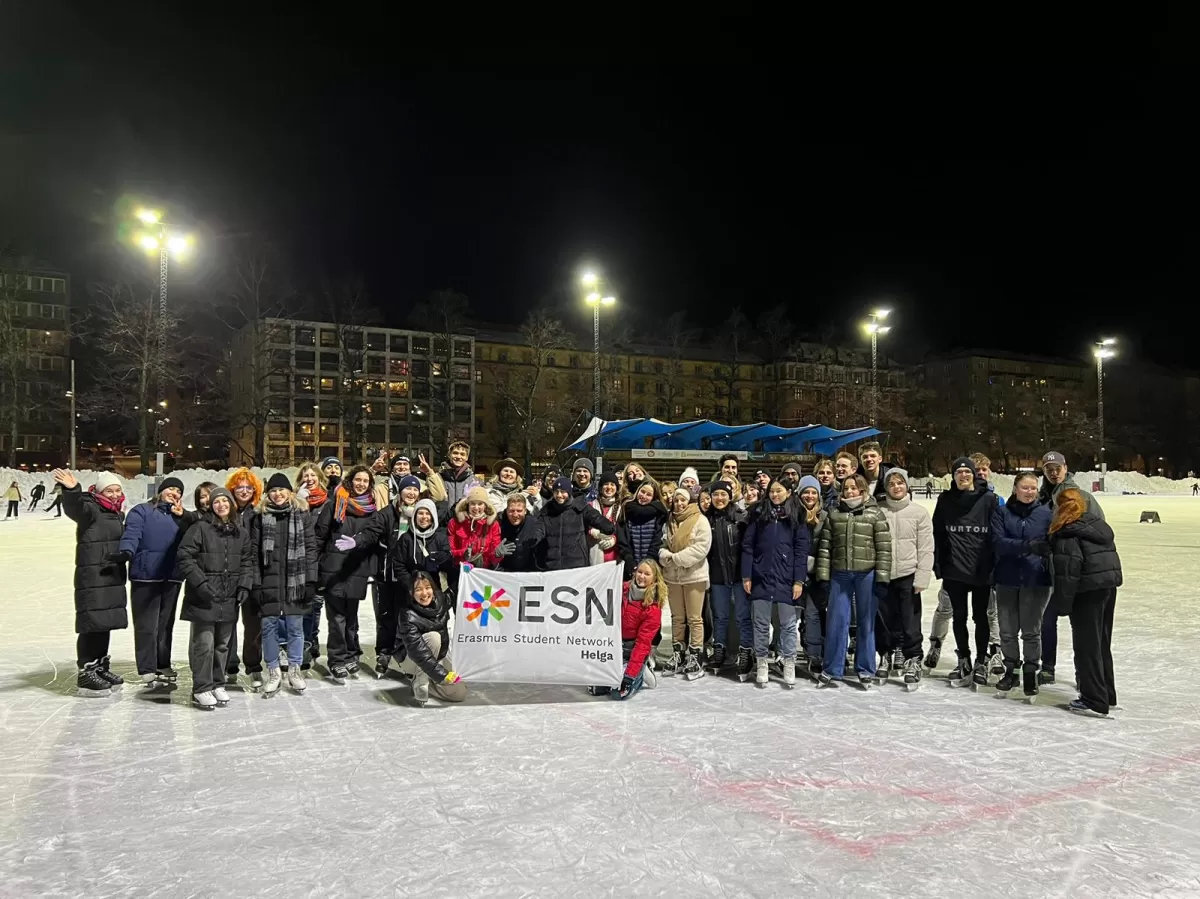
(444, 315)
(734, 340)
(678, 337)
(777, 342)
(526, 409)
(346, 304)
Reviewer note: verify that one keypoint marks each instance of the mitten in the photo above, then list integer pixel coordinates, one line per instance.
(122, 556)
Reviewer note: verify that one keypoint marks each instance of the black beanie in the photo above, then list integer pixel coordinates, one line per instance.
(170, 482)
(963, 462)
(279, 480)
(607, 477)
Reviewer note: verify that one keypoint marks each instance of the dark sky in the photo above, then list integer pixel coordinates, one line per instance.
(1001, 204)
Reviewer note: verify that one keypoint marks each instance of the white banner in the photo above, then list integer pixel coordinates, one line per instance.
(686, 454)
(546, 627)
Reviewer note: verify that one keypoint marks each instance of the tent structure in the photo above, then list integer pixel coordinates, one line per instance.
(703, 434)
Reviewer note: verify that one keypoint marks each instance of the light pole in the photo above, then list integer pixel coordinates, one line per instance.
(71, 394)
(875, 328)
(161, 237)
(591, 281)
(1104, 350)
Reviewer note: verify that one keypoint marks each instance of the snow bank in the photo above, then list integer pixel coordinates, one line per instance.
(1115, 482)
(136, 489)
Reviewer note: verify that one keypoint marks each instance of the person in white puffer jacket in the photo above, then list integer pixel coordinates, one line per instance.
(898, 639)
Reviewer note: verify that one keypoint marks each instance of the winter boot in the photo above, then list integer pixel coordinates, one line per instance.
(115, 681)
(745, 664)
(205, 701)
(716, 659)
(912, 674)
(760, 672)
(960, 675)
(90, 684)
(789, 671)
(979, 677)
(1008, 680)
(692, 669)
(295, 681)
(935, 653)
(995, 659)
(675, 663)
(1029, 682)
(1046, 676)
(274, 682)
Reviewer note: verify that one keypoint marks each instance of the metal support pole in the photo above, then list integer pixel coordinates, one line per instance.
(596, 359)
(874, 377)
(162, 339)
(73, 441)
(1100, 414)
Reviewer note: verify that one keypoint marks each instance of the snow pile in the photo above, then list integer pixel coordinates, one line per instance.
(1114, 482)
(136, 489)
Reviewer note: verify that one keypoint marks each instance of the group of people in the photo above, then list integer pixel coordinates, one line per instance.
(827, 569)
(36, 494)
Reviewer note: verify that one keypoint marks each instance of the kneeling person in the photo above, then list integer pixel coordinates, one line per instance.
(427, 643)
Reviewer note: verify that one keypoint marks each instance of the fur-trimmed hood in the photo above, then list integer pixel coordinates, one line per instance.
(246, 474)
(475, 495)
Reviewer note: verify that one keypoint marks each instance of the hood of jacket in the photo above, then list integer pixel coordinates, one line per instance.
(432, 507)
(475, 495)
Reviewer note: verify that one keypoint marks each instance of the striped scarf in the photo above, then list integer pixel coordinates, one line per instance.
(358, 506)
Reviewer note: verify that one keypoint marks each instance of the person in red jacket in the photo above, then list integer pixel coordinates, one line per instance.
(642, 602)
(474, 532)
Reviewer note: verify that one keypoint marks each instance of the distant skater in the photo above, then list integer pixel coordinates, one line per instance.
(36, 495)
(1196, 488)
(13, 495)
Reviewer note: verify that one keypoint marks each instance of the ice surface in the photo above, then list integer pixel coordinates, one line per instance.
(710, 788)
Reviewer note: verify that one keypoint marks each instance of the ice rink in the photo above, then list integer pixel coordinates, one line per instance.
(710, 788)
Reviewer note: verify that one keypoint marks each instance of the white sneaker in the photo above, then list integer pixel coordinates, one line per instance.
(220, 695)
(420, 687)
(274, 681)
(205, 700)
(296, 680)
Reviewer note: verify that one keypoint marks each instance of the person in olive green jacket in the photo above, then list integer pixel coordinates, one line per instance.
(854, 552)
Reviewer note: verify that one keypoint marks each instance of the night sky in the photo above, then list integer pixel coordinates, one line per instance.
(994, 205)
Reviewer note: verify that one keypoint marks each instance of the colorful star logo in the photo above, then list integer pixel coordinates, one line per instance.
(486, 605)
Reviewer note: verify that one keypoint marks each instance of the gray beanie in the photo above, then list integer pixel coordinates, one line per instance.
(896, 471)
(584, 462)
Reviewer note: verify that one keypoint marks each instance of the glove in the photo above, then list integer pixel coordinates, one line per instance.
(594, 534)
(451, 678)
(467, 566)
(122, 556)
(242, 595)
(302, 493)
(1040, 548)
(629, 686)
(607, 542)
(345, 544)
(310, 592)
(507, 548)
(431, 564)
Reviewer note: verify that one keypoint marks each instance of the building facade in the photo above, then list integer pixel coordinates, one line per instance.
(315, 389)
(35, 348)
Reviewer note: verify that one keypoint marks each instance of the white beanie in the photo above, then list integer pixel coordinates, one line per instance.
(689, 472)
(107, 479)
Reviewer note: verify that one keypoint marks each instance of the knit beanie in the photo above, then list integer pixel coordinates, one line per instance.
(609, 477)
(108, 479)
(689, 472)
(792, 466)
(280, 480)
(894, 473)
(684, 492)
(330, 460)
(219, 492)
(562, 484)
(806, 482)
(720, 485)
(409, 480)
(963, 462)
(584, 462)
(170, 482)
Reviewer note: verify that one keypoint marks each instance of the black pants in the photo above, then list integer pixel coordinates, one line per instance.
(90, 647)
(341, 616)
(207, 650)
(387, 617)
(14, 508)
(1091, 632)
(980, 596)
(899, 622)
(252, 640)
(33, 504)
(153, 604)
(57, 504)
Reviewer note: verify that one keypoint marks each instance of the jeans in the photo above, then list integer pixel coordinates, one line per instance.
(816, 607)
(687, 613)
(153, 604)
(294, 625)
(1049, 638)
(859, 587)
(207, 651)
(981, 595)
(727, 598)
(91, 647)
(1021, 609)
(1091, 631)
(762, 628)
(899, 624)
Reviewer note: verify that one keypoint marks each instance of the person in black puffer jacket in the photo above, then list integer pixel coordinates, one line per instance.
(643, 516)
(426, 639)
(1087, 573)
(345, 567)
(565, 523)
(100, 599)
(286, 579)
(520, 533)
(217, 562)
(426, 547)
(725, 579)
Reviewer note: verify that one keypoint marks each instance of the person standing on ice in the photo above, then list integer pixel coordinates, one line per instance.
(963, 558)
(36, 495)
(1055, 479)
(566, 519)
(56, 491)
(827, 480)
(583, 479)
(898, 633)
(728, 594)
(216, 559)
(774, 567)
(99, 580)
(854, 552)
(457, 477)
(874, 469)
(1022, 581)
(285, 547)
(1087, 573)
(683, 557)
(643, 516)
(474, 531)
(150, 544)
(816, 593)
(610, 547)
(13, 495)
(247, 491)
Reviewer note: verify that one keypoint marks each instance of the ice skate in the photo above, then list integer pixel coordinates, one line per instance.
(420, 688)
(150, 680)
(692, 670)
(1007, 682)
(649, 678)
(789, 671)
(825, 681)
(1079, 707)
(815, 667)
(90, 684)
(671, 666)
(995, 660)
(979, 677)
(884, 670)
(115, 681)
(382, 661)
(338, 674)
(1029, 683)
(274, 682)
(295, 681)
(934, 654)
(599, 691)
(912, 674)
(256, 681)
(170, 675)
(745, 664)
(352, 667)
(231, 679)
(1045, 676)
(283, 659)
(864, 682)
(761, 673)
(220, 696)
(205, 701)
(716, 659)
(960, 676)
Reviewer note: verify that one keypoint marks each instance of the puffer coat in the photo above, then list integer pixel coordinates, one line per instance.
(564, 534)
(152, 537)
(855, 540)
(1015, 526)
(643, 528)
(912, 540)
(417, 620)
(100, 598)
(689, 564)
(725, 555)
(774, 556)
(272, 574)
(1084, 557)
(344, 574)
(215, 565)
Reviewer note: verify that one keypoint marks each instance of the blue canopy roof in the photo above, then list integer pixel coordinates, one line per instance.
(704, 434)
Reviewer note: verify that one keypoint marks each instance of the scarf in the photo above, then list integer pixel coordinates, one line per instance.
(897, 505)
(112, 505)
(635, 513)
(295, 561)
(637, 594)
(853, 502)
(680, 527)
(358, 506)
(317, 497)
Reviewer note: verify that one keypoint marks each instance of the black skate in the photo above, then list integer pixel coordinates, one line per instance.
(1045, 676)
(90, 684)
(961, 675)
(352, 667)
(716, 659)
(995, 660)
(1007, 682)
(382, 661)
(673, 665)
(692, 669)
(979, 677)
(912, 674)
(934, 654)
(115, 681)
(884, 669)
(1029, 683)
(825, 681)
(338, 673)
(815, 667)
(864, 682)
(745, 664)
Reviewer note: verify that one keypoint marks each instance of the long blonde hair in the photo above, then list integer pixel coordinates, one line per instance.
(322, 478)
(666, 490)
(656, 593)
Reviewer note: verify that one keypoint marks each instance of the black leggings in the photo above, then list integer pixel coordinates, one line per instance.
(91, 647)
(980, 597)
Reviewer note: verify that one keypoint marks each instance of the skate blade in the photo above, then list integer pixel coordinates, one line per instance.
(788, 686)
(1089, 713)
(92, 694)
(205, 708)
(222, 705)
(1001, 694)
(743, 678)
(694, 676)
(912, 688)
